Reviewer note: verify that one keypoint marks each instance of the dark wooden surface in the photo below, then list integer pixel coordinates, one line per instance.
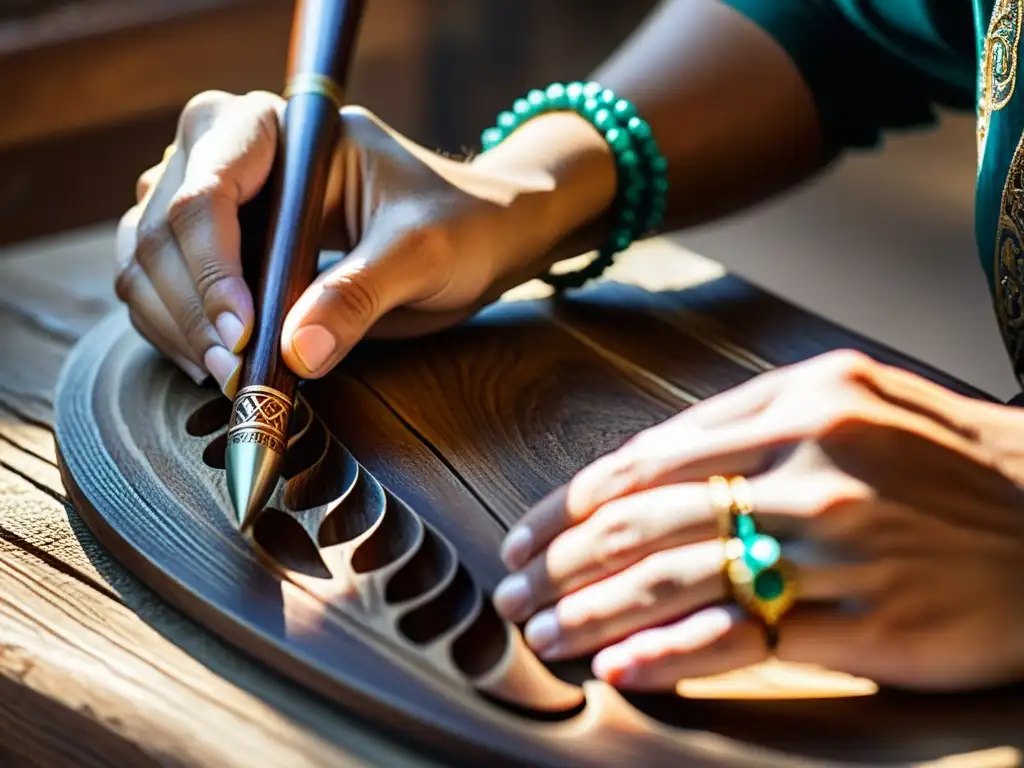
(494, 414)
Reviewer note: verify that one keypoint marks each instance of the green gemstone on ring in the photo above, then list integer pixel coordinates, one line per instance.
(745, 527)
(769, 585)
(592, 89)
(537, 98)
(762, 552)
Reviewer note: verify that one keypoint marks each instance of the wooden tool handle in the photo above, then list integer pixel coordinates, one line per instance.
(323, 36)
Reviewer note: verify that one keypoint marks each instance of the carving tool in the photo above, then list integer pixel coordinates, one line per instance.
(320, 51)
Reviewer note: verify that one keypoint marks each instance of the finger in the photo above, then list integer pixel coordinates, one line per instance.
(711, 641)
(658, 461)
(146, 310)
(157, 252)
(676, 582)
(724, 638)
(741, 402)
(383, 272)
(618, 535)
(147, 180)
(229, 160)
(839, 637)
(661, 587)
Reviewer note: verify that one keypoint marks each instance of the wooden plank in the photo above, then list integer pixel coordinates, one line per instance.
(139, 71)
(138, 684)
(32, 24)
(68, 168)
(515, 405)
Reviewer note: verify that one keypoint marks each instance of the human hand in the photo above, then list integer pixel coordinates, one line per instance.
(898, 501)
(428, 239)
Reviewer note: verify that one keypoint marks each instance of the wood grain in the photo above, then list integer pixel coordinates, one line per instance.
(95, 621)
(464, 431)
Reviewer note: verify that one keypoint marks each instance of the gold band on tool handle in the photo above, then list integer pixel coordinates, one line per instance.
(311, 82)
(260, 415)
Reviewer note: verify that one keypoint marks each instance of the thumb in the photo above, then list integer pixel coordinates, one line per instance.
(341, 306)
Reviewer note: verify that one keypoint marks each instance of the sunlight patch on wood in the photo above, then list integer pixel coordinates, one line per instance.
(657, 264)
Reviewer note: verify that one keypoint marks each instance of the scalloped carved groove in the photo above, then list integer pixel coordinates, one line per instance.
(393, 536)
(422, 572)
(451, 607)
(209, 417)
(335, 529)
(282, 538)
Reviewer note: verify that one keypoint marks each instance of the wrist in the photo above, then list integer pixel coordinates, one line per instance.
(566, 215)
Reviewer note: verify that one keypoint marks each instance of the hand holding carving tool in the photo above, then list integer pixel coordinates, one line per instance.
(323, 36)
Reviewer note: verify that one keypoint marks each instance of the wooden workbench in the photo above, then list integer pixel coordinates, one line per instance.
(96, 670)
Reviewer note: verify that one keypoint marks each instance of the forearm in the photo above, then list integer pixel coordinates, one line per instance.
(728, 108)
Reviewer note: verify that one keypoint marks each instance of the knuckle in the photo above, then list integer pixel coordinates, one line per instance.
(152, 239)
(620, 471)
(187, 208)
(427, 246)
(823, 498)
(842, 415)
(200, 110)
(358, 118)
(124, 282)
(147, 180)
(661, 578)
(193, 323)
(617, 535)
(211, 275)
(268, 109)
(352, 297)
(846, 365)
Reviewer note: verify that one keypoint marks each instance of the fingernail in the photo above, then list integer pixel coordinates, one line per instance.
(542, 631)
(516, 548)
(231, 331)
(612, 664)
(512, 597)
(223, 366)
(313, 345)
(193, 371)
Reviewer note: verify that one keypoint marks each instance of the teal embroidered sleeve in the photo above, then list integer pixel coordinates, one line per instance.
(862, 83)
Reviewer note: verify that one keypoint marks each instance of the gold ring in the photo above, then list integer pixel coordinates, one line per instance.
(764, 587)
(722, 503)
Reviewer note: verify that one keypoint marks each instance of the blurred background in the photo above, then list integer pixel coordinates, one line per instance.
(91, 90)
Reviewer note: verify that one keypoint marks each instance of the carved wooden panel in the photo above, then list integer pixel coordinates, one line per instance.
(368, 578)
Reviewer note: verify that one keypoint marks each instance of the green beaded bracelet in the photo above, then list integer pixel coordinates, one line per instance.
(642, 181)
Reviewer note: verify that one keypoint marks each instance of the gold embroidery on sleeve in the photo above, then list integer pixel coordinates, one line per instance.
(998, 66)
(1008, 261)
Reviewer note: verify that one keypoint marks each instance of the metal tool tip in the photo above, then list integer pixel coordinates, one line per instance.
(252, 472)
